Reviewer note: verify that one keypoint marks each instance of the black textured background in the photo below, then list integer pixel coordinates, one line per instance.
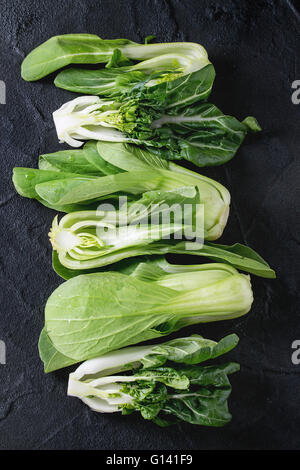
(254, 47)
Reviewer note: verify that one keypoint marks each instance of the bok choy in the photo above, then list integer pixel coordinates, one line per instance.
(165, 382)
(91, 239)
(200, 133)
(156, 224)
(93, 314)
(59, 51)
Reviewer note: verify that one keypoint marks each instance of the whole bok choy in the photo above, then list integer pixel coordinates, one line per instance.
(93, 314)
(164, 382)
(164, 58)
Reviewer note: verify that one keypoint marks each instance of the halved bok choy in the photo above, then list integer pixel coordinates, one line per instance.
(199, 133)
(164, 382)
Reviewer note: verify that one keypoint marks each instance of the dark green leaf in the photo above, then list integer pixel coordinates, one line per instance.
(208, 376)
(191, 350)
(206, 407)
(166, 375)
(201, 134)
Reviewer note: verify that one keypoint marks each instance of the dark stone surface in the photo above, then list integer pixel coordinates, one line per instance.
(254, 47)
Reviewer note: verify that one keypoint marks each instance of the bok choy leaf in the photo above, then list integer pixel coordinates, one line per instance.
(150, 87)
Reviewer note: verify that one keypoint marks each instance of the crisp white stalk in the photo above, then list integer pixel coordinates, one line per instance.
(227, 298)
(113, 362)
(73, 118)
(99, 405)
(191, 56)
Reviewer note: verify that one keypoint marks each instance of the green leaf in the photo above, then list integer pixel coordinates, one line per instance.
(125, 267)
(203, 406)
(190, 350)
(208, 376)
(252, 124)
(104, 82)
(118, 60)
(206, 405)
(86, 161)
(166, 375)
(60, 51)
(149, 411)
(213, 195)
(241, 257)
(51, 358)
(150, 405)
(26, 179)
(237, 255)
(67, 273)
(149, 39)
(95, 234)
(166, 395)
(82, 189)
(171, 92)
(106, 304)
(129, 157)
(63, 50)
(201, 134)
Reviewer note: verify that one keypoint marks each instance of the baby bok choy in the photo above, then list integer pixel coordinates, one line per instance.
(164, 382)
(91, 239)
(200, 133)
(156, 224)
(93, 314)
(165, 58)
